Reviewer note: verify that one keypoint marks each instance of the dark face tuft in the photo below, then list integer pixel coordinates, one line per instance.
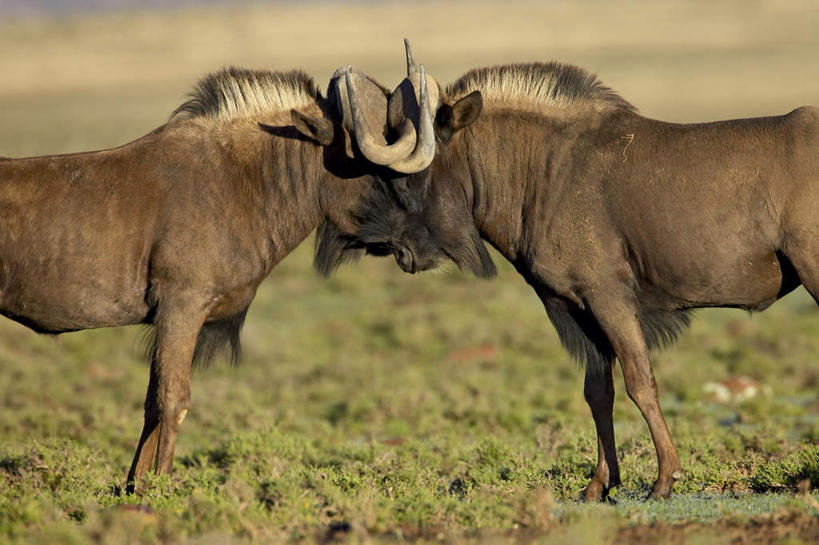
(447, 214)
(385, 218)
(420, 225)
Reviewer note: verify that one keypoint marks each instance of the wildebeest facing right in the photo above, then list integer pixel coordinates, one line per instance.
(622, 224)
(178, 228)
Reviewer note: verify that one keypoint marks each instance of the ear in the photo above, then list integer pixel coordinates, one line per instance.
(317, 129)
(463, 113)
(466, 110)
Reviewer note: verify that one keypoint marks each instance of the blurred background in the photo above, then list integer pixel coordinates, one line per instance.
(108, 71)
(373, 353)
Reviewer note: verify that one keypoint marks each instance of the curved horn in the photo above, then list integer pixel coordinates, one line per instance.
(411, 66)
(424, 151)
(374, 151)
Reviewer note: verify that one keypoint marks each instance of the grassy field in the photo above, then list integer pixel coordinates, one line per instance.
(378, 406)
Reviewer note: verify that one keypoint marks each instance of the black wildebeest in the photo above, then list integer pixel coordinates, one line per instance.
(622, 224)
(178, 228)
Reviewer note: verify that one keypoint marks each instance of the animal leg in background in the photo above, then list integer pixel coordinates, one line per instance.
(580, 333)
(146, 449)
(168, 398)
(619, 321)
(598, 389)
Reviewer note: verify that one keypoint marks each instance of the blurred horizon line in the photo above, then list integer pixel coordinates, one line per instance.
(60, 8)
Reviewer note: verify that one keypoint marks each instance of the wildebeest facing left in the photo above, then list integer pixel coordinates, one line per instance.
(620, 223)
(178, 228)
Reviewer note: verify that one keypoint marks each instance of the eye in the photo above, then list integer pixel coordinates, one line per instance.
(379, 249)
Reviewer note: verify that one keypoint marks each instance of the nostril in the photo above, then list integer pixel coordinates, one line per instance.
(404, 258)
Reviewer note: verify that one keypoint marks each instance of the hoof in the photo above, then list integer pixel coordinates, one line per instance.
(660, 492)
(595, 492)
(138, 490)
(658, 496)
(662, 488)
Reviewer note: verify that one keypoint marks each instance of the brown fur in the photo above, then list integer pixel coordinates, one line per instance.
(622, 224)
(176, 229)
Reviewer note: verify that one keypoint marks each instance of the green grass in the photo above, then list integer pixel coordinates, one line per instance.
(399, 406)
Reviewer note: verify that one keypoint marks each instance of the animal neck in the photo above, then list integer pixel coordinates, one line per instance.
(302, 187)
(277, 177)
(511, 164)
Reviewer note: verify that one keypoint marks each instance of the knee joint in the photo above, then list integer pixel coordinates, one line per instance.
(641, 394)
(176, 413)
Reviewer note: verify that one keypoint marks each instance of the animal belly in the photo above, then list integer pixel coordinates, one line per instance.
(52, 297)
(750, 282)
